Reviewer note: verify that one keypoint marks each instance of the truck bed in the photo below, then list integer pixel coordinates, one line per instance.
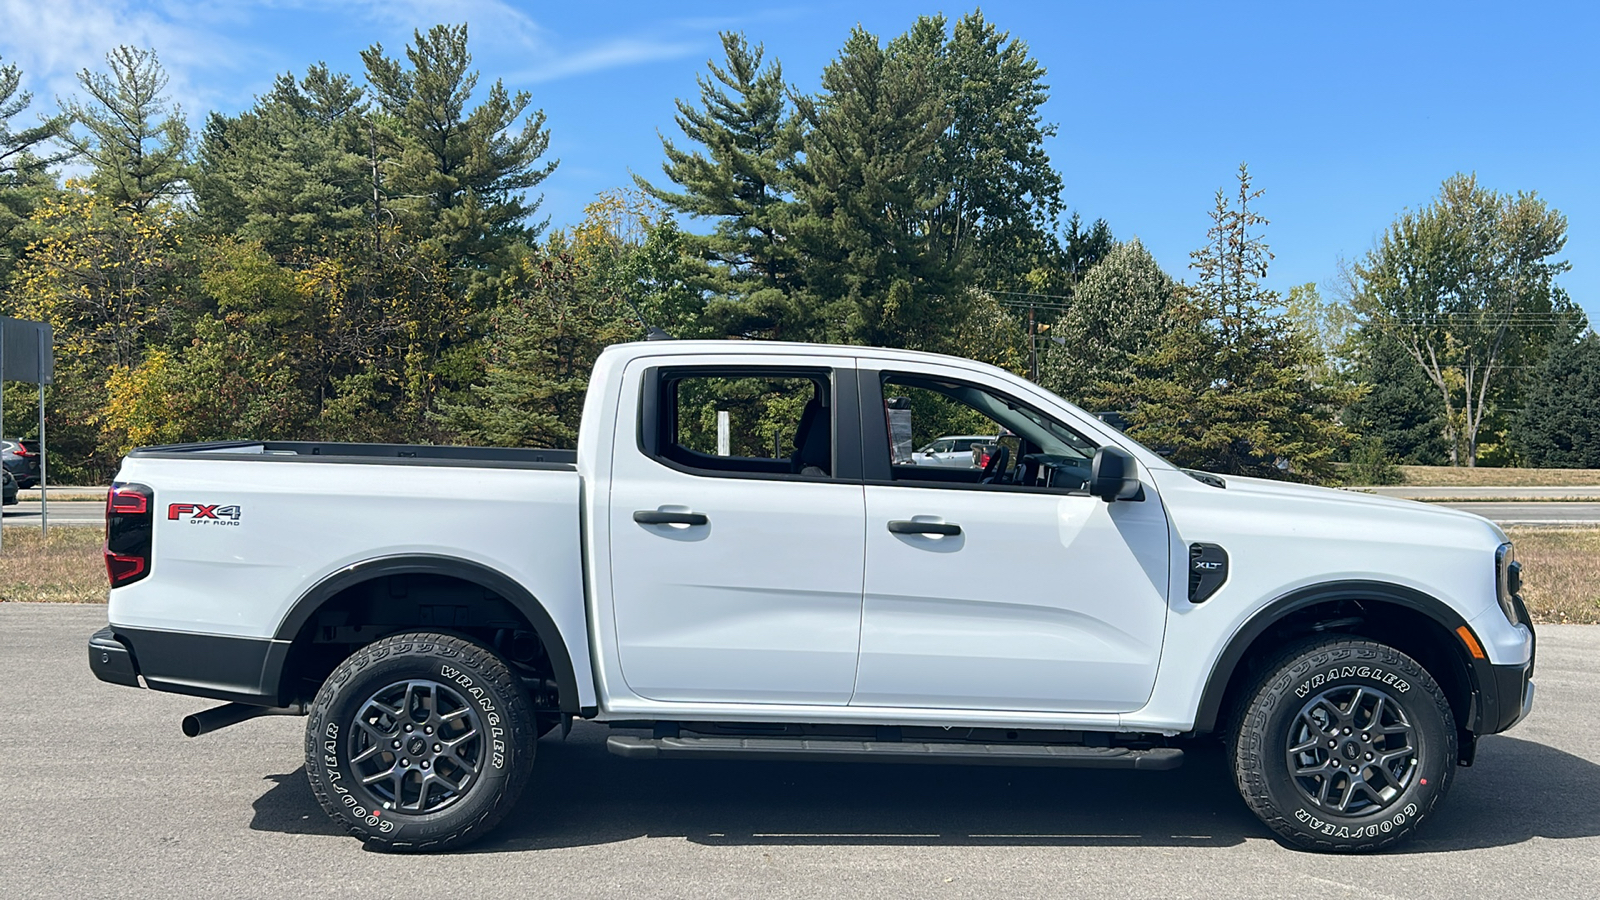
(369, 454)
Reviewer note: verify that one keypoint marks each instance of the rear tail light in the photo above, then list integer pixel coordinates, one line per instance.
(129, 524)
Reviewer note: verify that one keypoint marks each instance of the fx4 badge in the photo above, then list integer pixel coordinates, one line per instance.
(203, 513)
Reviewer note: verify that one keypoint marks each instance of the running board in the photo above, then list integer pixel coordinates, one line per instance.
(831, 750)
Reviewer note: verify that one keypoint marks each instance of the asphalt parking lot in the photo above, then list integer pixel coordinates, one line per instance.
(104, 797)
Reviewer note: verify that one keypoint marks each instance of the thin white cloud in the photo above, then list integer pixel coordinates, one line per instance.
(609, 55)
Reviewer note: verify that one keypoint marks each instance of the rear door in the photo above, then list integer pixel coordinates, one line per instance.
(1022, 593)
(736, 528)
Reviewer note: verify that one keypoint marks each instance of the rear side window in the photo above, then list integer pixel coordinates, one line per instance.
(754, 422)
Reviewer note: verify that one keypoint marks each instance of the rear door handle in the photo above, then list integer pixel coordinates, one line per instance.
(902, 526)
(662, 517)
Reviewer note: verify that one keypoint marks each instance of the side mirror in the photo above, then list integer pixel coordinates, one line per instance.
(1114, 475)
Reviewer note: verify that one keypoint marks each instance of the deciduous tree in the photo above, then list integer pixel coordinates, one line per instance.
(1466, 285)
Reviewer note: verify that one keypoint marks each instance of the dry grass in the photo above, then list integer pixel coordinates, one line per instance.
(1561, 573)
(1460, 476)
(66, 569)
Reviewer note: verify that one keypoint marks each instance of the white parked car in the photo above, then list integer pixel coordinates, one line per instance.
(1078, 601)
(954, 451)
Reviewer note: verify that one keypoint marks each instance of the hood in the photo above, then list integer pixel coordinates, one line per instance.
(1282, 498)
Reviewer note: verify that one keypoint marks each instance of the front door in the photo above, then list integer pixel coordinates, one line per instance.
(1035, 596)
(736, 536)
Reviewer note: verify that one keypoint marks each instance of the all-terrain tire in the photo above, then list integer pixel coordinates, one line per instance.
(1352, 789)
(416, 715)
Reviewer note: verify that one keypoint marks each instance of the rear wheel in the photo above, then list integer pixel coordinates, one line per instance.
(1344, 745)
(420, 742)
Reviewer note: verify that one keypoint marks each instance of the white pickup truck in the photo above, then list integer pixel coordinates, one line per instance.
(732, 564)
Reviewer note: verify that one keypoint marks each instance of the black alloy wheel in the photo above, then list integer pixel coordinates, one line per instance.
(420, 742)
(1352, 751)
(417, 746)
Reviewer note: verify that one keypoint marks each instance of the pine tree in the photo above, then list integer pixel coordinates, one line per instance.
(25, 165)
(459, 176)
(1001, 193)
(294, 171)
(546, 333)
(1397, 407)
(1230, 386)
(874, 273)
(135, 140)
(1560, 421)
(1116, 313)
(741, 180)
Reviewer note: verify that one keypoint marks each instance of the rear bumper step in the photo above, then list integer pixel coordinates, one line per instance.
(830, 750)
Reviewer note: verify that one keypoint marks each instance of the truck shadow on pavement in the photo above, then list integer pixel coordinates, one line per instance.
(582, 796)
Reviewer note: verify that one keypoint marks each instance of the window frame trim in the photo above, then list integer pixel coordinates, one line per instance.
(879, 472)
(842, 382)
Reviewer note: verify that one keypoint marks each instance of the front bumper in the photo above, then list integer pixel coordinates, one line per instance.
(1506, 696)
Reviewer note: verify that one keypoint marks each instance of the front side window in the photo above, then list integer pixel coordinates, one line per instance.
(1027, 449)
(754, 422)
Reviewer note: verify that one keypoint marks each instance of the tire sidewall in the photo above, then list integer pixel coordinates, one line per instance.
(1263, 747)
(471, 670)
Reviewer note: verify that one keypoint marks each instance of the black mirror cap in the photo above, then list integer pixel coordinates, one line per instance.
(1114, 475)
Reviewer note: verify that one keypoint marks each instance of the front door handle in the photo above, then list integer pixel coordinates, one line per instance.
(903, 526)
(662, 517)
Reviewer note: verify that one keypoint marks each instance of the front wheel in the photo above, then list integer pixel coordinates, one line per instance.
(1344, 745)
(420, 742)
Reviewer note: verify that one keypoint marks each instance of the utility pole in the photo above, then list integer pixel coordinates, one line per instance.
(1033, 345)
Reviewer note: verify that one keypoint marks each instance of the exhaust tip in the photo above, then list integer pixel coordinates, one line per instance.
(191, 726)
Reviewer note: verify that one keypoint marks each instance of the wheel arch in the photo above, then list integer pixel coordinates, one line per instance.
(1415, 622)
(294, 624)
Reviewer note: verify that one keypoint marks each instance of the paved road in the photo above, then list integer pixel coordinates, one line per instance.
(62, 512)
(104, 797)
(1413, 492)
(1541, 513)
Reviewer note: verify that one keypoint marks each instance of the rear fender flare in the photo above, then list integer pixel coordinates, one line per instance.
(412, 564)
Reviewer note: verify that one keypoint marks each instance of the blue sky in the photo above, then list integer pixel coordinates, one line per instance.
(1347, 112)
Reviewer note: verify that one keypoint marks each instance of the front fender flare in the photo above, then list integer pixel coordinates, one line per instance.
(1222, 673)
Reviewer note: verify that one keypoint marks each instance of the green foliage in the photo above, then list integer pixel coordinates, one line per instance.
(1000, 193)
(742, 181)
(1117, 312)
(1560, 421)
(546, 333)
(1230, 386)
(1327, 324)
(1370, 463)
(24, 166)
(294, 171)
(457, 176)
(876, 275)
(136, 142)
(1397, 406)
(1467, 286)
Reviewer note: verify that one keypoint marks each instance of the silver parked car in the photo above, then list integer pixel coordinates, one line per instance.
(951, 451)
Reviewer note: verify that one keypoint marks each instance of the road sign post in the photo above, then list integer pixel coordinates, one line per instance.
(26, 354)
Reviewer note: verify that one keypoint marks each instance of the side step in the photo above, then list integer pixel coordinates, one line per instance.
(832, 750)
